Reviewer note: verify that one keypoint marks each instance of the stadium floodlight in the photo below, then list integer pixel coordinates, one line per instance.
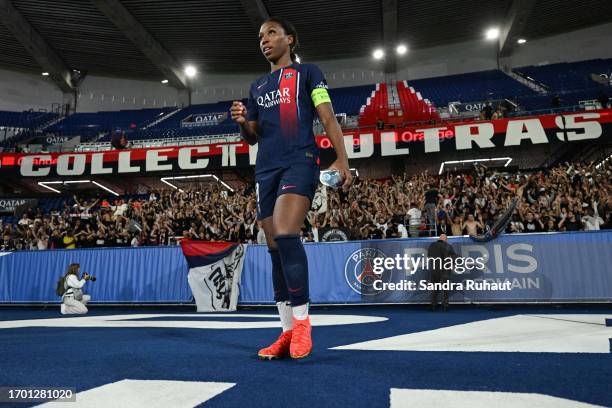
(165, 180)
(45, 74)
(164, 81)
(601, 163)
(508, 160)
(401, 49)
(492, 33)
(45, 184)
(379, 53)
(190, 71)
(298, 59)
(105, 188)
(521, 41)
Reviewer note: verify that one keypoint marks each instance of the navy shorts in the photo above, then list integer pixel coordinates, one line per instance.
(299, 178)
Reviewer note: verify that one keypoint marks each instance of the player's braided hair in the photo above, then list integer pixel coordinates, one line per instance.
(289, 30)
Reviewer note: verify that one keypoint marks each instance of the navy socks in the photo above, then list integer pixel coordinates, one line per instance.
(278, 278)
(294, 268)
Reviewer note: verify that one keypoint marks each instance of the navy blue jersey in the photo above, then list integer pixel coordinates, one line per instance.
(284, 103)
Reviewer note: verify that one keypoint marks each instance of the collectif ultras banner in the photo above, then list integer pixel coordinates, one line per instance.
(527, 131)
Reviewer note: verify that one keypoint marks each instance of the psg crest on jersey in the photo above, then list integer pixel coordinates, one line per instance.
(289, 75)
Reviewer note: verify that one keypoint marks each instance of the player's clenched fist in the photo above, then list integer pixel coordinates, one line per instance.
(238, 112)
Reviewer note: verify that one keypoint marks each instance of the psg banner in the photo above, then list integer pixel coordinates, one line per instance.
(214, 273)
(591, 126)
(544, 267)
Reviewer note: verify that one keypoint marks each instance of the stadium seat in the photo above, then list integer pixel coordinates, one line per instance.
(472, 87)
(568, 78)
(88, 125)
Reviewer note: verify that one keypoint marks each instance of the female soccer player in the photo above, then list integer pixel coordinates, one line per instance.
(278, 116)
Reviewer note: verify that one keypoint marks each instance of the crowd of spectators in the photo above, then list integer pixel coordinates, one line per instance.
(569, 197)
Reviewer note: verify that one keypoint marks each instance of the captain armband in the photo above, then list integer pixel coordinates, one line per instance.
(319, 96)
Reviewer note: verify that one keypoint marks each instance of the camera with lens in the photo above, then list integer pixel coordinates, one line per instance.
(89, 277)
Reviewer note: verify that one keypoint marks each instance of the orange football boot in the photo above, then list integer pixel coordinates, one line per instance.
(301, 340)
(278, 349)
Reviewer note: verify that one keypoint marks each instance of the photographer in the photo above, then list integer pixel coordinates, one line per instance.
(73, 299)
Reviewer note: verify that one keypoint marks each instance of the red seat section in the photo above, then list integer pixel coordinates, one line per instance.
(414, 107)
(376, 106)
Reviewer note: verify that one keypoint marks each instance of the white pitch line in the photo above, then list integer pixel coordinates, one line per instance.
(519, 333)
(131, 321)
(146, 394)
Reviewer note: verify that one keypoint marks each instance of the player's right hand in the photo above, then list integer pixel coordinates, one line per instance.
(238, 112)
(343, 167)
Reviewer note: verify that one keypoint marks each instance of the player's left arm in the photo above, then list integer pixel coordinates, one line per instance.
(322, 102)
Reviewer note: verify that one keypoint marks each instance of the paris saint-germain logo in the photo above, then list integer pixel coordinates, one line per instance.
(359, 271)
(289, 75)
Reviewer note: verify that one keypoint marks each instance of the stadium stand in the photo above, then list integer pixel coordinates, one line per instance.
(466, 204)
(375, 107)
(569, 77)
(572, 82)
(13, 125)
(178, 132)
(346, 100)
(26, 120)
(417, 103)
(350, 99)
(175, 120)
(476, 86)
(88, 125)
(414, 107)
